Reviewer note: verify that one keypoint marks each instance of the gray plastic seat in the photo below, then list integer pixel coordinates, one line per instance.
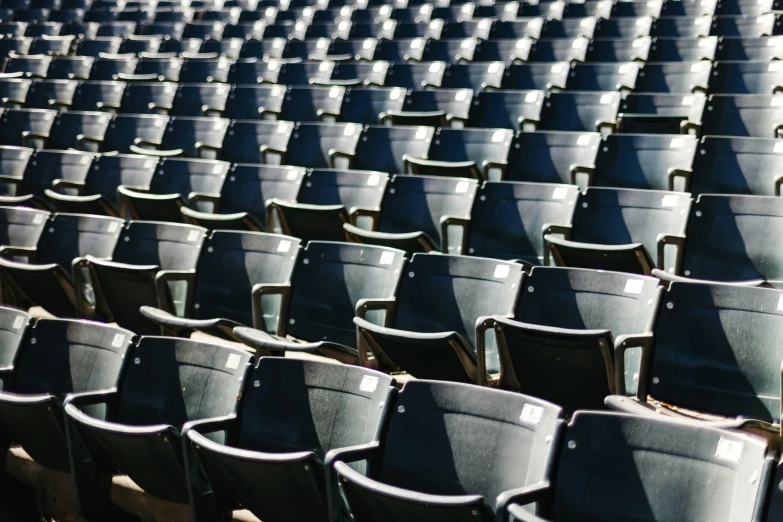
(188, 137)
(664, 49)
(257, 141)
(367, 106)
(426, 468)
(98, 96)
(255, 102)
(756, 116)
(26, 127)
(432, 108)
(661, 113)
(70, 126)
(621, 77)
(516, 110)
(624, 230)
(726, 165)
(148, 97)
(580, 111)
(323, 145)
(674, 78)
(200, 99)
(13, 91)
(618, 50)
(535, 76)
(749, 49)
(439, 303)
(13, 163)
(51, 94)
(384, 148)
(552, 156)
(747, 78)
(416, 75)
(21, 227)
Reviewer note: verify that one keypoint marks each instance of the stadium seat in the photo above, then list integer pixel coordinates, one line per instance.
(245, 195)
(43, 169)
(13, 91)
(599, 449)
(326, 200)
(682, 27)
(433, 331)
(518, 28)
(164, 67)
(552, 157)
(418, 214)
(188, 137)
(356, 74)
(621, 230)
(568, 324)
(270, 441)
(573, 28)
(684, 49)
(200, 99)
(766, 24)
(621, 77)
(177, 182)
(618, 51)
(312, 103)
(125, 129)
(204, 68)
(749, 49)
(256, 141)
(136, 44)
(553, 50)
(580, 111)
(367, 106)
(70, 68)
(53, 270)
(323, 145)
(168, 383)
(416, 75)
(429, 467)
(674, 78)
(535, 76)
(94, 47)
(510, 219)
(21, 227)
(508, 50)
(13, 162)
(28, 66)
(747, 78)
(383, 148)
(228, 47)
(14, 45)
(433, 108)
(13, 328)
(51, 45)
(108, 67)
(756, 116)
(452, 50)
(475, 76)
(148, 97)
(515, 110)
(70, 126)
(726, 165)
(51, 94)
(661, 113)
(254, 102)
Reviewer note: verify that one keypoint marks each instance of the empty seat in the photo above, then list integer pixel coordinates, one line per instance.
(252, 102)
(552, 157)
(747, 78)
(21, 228)
(100, 45)
(367, 106)
(384, 149)
(552, 50)
(200, 99)
(727, 165)
(188, 137)
(53, 360)
(51, 94)
(653, 161)
(433, 331)
(621, 230)
(674, 78)
(112, 67)
(148, 97)
(603, 77)
(751, 49)
(418, 212)
(506, 50)
(661, 113)
(357, 74)
(229, 47)
(757, 116)
(168, 383)
(518, 28)
(177, 182)
(70, 67)
(271, 438)
(476, 76)
(125, 129)
(153, 66)
(683, 27)
(326, 200)
(53, 269)
(451, 50)
(746, 27)
(26, 127)
(44, 168)
(683, 49)
(323, 145)
(637, 49)
(565, 329)
(428, 455)
(580, 111)
(434, 108)
(28, 66)
(204, 68)
(136, 44)
(70, 126)
(416, 75)
(604, 443)
(516, 110)
(51, 45)
(510, 219)
(14, 45)
(13, 91)
(312, 103)
(473, 153)
(535, 76)
(153, 264)
(574, 28)
(257, 141)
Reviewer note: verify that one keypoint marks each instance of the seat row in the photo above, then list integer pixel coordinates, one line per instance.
(325, 442)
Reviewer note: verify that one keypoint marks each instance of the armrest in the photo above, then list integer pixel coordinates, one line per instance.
(680, 173)
(324, 115)
(263, 112)
(154, 152)
(258, 292)
(623, 343)
(211, 425)
(350, 454)
(582, 169)
(702, 89)
(530, 122)
(163, 277)
(524, 516)
(369, 304)
(499, 165)
(337, 154)
(96, 403)
(356, 212)
(201, 146)
(211, 112)
(667, 278)
(12, 101)
(482, 325)
(524, 495)
(778, 183)
(450, 118)
(669, 239)
(453, 221)
(610, 126)
(410, 161)
(198, 197)
(29, 136)
(82, 140)
(66, 183)
(14, 251)
(549, 229)
(11, 179)
(132, 77)
(687, 126)
(266, 150)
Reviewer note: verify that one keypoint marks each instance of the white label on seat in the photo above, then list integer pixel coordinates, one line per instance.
(373, 180)
(780, 303)
(435, 67)
(583, 140)
(606, 98)
(344, 25)
(676, 143)
(388, 24)
(501, 271)
(378, 66)
(777, 101)
(670, 200)
(235, 42)
(624, 68)
(284, 245)
(168, 89)
(512, 6)
(531, 97)
(560, 193)
(233, 361)
(385, 9)
(193, 235)
(687, 100)
(18, 322)
(277, 90)
(729, 449)
(637, 43)
(531, 414)
(221, 90)
(633, 286)
(585, 22)
(640, 22)
(271, 66)
(556, 68)
(521, 43)
(323, 42)
(217, 169)
(349, 129)
(368, 43)
(324, 66)
(277, 43)
(498, 135)
(466, 44)
(466, 8)
(493, 68)
(701, 21)
(118, 340)
(484, 24)
(282, 128)
(416, 44)
(218, 125)
(113, 226)
(778, 148)
(703, 42)
(461, 95)
(369, 383)
(387, 258)
(696, 67)
(578, 44)
(425, 9)
(421, 133)
(38, 219)
(461, 187)
(437, 24)
(395, 94)
(334, 92)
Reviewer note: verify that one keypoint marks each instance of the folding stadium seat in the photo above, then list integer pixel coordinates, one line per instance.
(684, 49)
(150, 266)
(83, 30)
(417, 214)
(726, 165)
(504, 50)
(654, 161)
(571, 28)
(367, 106)
(452, 50)
(224, 16)
(45, 363)
(603, 77)
(682, 27)
(580, 111)
(476, 76)
(229, 47)
(622, 230)
(746, 8)
(28, 66)
(148, 97)
(200, 99)
(236, 467)
(141, 16)
(551, 50)
(67, 16)
(750, 49)
(635, 9)
(136, 44)
(754, 27)
(97, 194)
(180, 47)
(116, 28)
(157, 66)
(108, 67)
(413, 490)
(12, 29)
(26, 127)
(70, 67)
(514, 110)
(758, 116)
(355, 74)
(257, 142)
(15, 45)
(313, 49)
(568, 322)
(689, 9)
(13, 91)
(535, 76)
(384, 149)
(42, 169)
(13, 162)
(244, 197)
(189, 137)
(312, 104)
(204, 68)
(617, 51)
(70, 126)
(20, 228)
(51, 94)
(251, 71)
(52, 45)
(41, 28)
(54, 268)
(175, 14)
(747, 78)
(727, 483)
(727, 328)
(176, 183)
(252, 102)
(264, 48)
(326, 200)
(473, 153)
(622, 28)
(434, 108)
(323, 145)
(661, 113)
(170, 382)
(209, 30)
(674, 78)
(254, 30)
(171, 30)
(397, 50)
(552, 157)
(126, 129)
(416, 75)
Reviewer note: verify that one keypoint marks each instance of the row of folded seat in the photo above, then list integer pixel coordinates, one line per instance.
(291, 440)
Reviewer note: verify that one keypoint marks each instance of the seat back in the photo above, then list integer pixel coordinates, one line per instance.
(70, 67)
(15, 122)
(109, 67)
(603, 77)
(21, 227)
(383, 148)
(108, 172)
(746, 77)
(311, 144)
(165, 67)
(311, 103)
(169, 246)
(13, 162)
(416, 75)
(200, 99)
(549, 157)
(148, 97)
(126, 128)
(365, 106)
(480, 146)
(535, 76)
(736, 166)
(205, 69)
(47, 165)
(246, 141)
(348, 188)
(51, 94)
(506, 109)
(346, 273)
(97, 95)
(683, 49)
(674, 78)
(756, 116)
(246, 102)
(189, 133)
(69, 125)
(248, 188)
(185, 176)
(13, 327)
(582, 112)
